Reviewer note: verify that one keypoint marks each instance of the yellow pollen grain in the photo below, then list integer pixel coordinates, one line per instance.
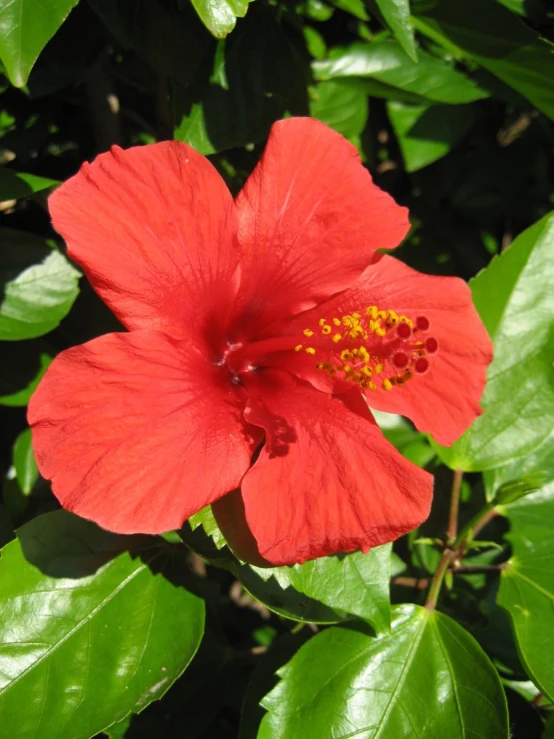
(337, 338)
(326, 330)
(337, 321)
(346, 355)
(380, 332)
(298, 348)
(378, 368)
(310, 350)
(387, 385)
(308, 332)
(322, 322)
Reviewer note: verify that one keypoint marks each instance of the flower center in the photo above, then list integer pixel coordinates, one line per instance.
(374, 349)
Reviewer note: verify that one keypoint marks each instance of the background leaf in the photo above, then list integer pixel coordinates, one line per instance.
(425, 133)
(26, 470)
(85, 613)
(486, 32)
(15, 185)
(397, 15)
(220, 16)
(25, 28)
(40, 286)
(386, 63)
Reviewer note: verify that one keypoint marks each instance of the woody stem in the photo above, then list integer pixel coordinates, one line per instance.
(456, 545)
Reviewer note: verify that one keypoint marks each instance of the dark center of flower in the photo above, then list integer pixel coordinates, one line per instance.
(376, 348)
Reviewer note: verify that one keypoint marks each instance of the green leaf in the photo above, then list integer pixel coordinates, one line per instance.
(486, 32)
(14, 185)
(386, 63)
(515, 301)
(428, 677)
(25, 28)
(26, 471)
(257, 77)
(357, 583)
(341, 106)
(511, 491)
(282, 598)
(540, 460)
(425, 133)
(397, 16)
(40, 286)
(205, 518)
(527, 584)
(93, 626)
(220, 16)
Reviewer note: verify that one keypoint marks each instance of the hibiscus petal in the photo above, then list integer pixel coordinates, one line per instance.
(154, 227)
(137, 431)
(445, 400)
(310, 220)
(326, 480)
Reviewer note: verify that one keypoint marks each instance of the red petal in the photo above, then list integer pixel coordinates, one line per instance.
(137, 432)
(310, 220)
(154, 228)
(445, 400)
(326, 480)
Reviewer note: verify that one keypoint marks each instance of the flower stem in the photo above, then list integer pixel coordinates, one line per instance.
(436, 583)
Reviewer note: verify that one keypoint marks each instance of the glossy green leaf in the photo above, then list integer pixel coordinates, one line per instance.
(14, 185)
(281, 597)
(428, 677)
(354, 7)
(357, 583)
(527, 584)
(93, 626)
(540, 460)
(397, 15)
(515, 300)
(386, 63)
(25, 28)
(486, 32)
(425, 133)
(220, 16)
(256, 78)
(26, 470)
(39, 285)
(343, 107)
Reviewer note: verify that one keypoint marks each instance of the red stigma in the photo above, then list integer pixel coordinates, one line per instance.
(431, 345)
(400, 360)
(422, 323)
(403, 331)
(421, 366)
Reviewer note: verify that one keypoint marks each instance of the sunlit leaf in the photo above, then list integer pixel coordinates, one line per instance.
(515, 301)
(92, 626)
(428, 677)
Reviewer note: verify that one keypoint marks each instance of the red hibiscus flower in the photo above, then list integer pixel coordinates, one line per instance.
(265, 324)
